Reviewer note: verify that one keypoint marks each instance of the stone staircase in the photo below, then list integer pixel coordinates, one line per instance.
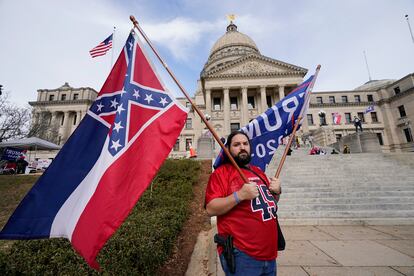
(363, 188)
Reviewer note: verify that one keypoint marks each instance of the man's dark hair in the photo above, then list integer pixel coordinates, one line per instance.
(234, 133)
(228, 143)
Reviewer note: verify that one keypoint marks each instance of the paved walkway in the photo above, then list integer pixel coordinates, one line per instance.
(329, 250)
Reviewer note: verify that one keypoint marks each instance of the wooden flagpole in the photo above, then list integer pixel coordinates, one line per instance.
(305, 104)
(202, 116)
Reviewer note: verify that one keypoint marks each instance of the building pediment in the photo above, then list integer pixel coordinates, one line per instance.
(255, 65)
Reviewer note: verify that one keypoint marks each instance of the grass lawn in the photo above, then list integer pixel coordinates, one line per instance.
(12, 190)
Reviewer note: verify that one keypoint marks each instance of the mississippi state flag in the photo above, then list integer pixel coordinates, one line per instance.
(108, 162)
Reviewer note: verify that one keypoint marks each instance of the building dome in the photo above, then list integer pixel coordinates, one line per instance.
(233, 38)
(231, 46)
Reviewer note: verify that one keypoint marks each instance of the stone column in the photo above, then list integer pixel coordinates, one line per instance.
(244, 111)
(226, 111)
(66, 126)
(36, 118)
(263, 99)
(54, 118)
(281, 92)
(391, 138)
(79, 118)
(208, 101)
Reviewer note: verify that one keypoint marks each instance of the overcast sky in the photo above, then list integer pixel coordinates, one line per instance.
(46, 43)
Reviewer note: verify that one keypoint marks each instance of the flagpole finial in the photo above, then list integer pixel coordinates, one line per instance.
(132, 18)
(318, 67)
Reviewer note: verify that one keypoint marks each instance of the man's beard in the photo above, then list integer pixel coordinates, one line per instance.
(242, 160)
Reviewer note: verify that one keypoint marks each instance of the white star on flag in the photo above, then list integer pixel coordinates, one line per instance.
(120, 109)
(163, 101)
(117, 126)
(136, 94)
(148, 98)
(100, 106)
(114, 103)
(115, 145)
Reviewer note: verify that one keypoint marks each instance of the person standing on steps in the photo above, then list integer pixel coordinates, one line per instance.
(357, 123)
(246, 212)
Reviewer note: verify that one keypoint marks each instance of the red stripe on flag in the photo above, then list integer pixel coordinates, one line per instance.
(123, 184)
(149, 79)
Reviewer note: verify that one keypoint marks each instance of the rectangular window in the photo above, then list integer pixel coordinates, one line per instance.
(361, 116)
(176, 145)
(344, 99)
(59, 140)
(75, 96)
(357, 98)
(62, 120)
(374, 117)
(269, 101)
(233, 103)
(250, 102)
(397, 90)
(370, 98)
(332, 99)
(63, 97)
(310, 119)
(188, 105)
(188, 143)
(51, 97)
(408, 135)
(348, 118)
(319, 100)
(217, 103)
(74, 119)
(234, 126)
(380, 141)
(401, 109)
(189, 123)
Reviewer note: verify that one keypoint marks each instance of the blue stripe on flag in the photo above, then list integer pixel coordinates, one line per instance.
(34, 216)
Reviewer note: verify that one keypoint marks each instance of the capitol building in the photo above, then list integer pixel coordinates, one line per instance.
(238, 83)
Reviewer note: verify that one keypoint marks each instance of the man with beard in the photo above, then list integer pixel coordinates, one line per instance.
(245, 211)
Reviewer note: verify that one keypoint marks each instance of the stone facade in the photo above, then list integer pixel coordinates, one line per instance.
(237, 84)
(61, 110)
(391, 120)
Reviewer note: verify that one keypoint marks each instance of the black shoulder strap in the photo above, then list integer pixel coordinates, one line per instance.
(261, 178)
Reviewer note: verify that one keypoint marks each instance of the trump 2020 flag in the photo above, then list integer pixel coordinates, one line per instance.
(269, 128)
(108, 162)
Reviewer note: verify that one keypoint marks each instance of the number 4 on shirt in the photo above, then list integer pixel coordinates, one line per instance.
(264, 203)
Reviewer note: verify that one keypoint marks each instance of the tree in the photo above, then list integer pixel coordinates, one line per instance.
(44, 128)
(14, 120)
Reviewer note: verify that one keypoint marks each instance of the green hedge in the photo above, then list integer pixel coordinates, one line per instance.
(140, 246)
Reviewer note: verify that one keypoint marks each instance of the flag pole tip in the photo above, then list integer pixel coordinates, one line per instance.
(318, 67)
(133, 19)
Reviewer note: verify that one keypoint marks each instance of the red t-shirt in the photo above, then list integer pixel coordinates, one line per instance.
(252, 222)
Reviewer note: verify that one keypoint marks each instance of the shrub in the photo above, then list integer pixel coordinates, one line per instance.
(140, 246)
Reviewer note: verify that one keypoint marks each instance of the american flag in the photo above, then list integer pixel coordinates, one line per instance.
(102, 48)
